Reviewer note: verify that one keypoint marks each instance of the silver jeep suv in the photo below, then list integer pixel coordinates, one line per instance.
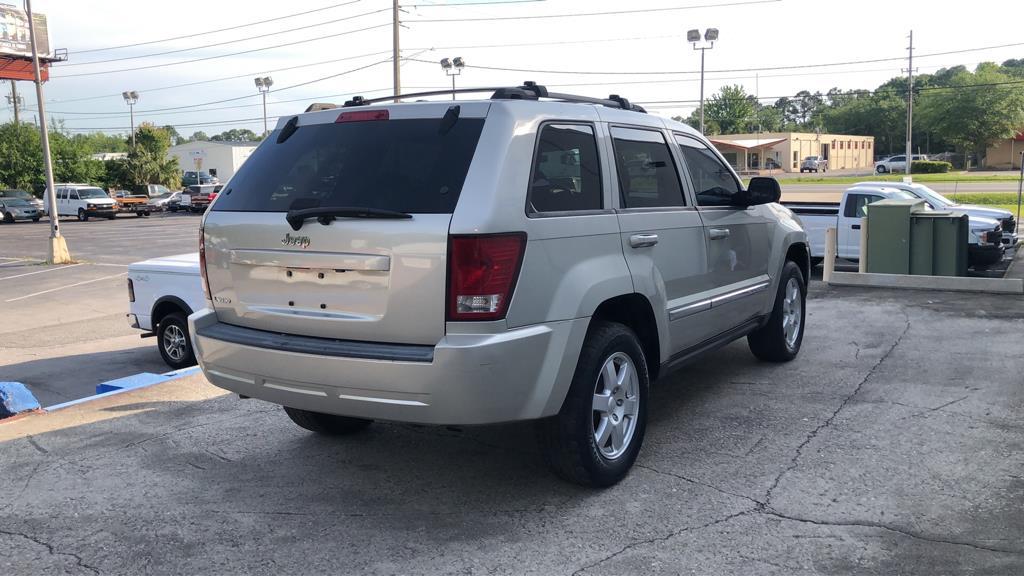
(531, 256)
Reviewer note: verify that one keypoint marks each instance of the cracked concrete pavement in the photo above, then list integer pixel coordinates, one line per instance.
(892, 445)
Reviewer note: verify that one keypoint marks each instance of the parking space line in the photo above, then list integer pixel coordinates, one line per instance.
(20, 261)
(41, 271)
(63, 287)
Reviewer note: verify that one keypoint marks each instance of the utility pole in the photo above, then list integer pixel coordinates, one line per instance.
(395, 61)
(910, 103)
(15, 102)
(58, 253)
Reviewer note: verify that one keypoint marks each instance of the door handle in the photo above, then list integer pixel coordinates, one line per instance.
(718, 233)
(856, 226)
(642, 240)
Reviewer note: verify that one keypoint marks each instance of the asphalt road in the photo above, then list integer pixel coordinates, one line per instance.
(891, 445)
(63, 329)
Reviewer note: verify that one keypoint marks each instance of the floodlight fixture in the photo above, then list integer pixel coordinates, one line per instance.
(693, 36)
(458, 62)
(446, 64)
(711, 34)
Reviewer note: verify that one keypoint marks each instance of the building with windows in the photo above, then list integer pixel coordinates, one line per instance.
(786, 150)
(220, 159)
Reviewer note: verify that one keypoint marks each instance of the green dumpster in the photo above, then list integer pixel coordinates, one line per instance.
(905, 237)
(889, 235)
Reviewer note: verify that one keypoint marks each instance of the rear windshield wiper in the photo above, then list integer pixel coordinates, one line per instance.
(327, 214)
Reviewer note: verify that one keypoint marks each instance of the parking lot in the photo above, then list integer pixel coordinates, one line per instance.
(891, 445)
(63, 328)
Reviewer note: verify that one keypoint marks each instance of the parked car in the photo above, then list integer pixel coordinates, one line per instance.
(127, 202)
(162, 292)
(939, 202)
(814, 164)
(198, 198)
(84, 201)
(189, 179)
(772, 164)
(896, 163)
(984, 246)
(151, 190)
(163, 201)
(26, 196)
(14, 209)
(349, 279)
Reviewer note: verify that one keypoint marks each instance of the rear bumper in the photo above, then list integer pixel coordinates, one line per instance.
(517, 374)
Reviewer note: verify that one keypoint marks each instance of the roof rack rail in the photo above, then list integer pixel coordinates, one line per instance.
(528, 91)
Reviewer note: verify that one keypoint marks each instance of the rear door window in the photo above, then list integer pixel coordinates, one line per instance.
(647, 174)
(566, 171)
(404, 165)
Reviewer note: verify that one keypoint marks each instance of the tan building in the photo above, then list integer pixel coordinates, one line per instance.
(1005, 154)
(785, 150)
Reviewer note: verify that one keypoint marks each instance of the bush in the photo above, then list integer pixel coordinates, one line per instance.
(930, 167)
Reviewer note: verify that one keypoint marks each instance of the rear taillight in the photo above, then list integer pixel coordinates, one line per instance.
(131, 290)
(202, 263)
(482, 273)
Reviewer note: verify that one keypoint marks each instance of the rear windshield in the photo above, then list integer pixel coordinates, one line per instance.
(405, 165)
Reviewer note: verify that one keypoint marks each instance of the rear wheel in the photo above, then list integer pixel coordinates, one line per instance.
(596, 436)
(82, 215)
(328, 424)
(779, 340)
(139, 214)
(173, 341)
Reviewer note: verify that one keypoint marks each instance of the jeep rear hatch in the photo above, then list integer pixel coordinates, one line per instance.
(337, 225)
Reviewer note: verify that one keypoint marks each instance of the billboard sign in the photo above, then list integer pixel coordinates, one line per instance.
(14, 34)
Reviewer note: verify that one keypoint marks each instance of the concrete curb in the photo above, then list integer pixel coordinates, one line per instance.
(944, 283)
(114, 387)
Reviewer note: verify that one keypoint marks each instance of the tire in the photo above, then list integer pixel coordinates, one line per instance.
(139, 214)
(145, 214)
(328, 424)
(82, 215)
(570, 441)
(9, 218)
(774, 342)
(35, 219)
(881, 170)
(177, 353)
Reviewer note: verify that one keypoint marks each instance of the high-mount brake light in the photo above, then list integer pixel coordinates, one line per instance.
(482, 274)
(363, 116)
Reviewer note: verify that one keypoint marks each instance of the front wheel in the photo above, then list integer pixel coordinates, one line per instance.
(780, 338)
(82, 215)
(596, 436)
(9, 218)
(881, 170)
(174, 343)
(329, 424)
(35, 219)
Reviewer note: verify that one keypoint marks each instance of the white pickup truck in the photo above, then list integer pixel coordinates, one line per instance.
(985, 239)
(162, 292)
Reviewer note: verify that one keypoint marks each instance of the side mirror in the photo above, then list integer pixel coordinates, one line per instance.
(762, 190)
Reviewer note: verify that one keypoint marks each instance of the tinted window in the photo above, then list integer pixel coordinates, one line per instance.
(404, 165)
(566, 171)
(713, 182)
(857, 204)
(647, 174)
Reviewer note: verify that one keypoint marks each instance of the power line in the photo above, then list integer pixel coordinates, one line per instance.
(347, 32)
(217, 31)
(457, 4)
(582, 14)
(226, 42)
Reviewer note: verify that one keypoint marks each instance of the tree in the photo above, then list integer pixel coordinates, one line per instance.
(236, 135)
(147, 162)
(731, 109)
(21, 157)
(199, 136)
(173, 133)
(977, 110)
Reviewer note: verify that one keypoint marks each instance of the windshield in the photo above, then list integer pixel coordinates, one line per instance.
(15, 202)
(162, 196)
(402, 165)
(16, 194)
(933, 196)
(903, 195)
(91, 193)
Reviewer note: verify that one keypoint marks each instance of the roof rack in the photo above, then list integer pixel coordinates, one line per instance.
(528, 91)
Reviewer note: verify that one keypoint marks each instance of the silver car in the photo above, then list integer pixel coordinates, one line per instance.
(528, 256)
(14, 209)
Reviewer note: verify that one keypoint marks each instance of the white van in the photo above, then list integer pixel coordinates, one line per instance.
(83, 201)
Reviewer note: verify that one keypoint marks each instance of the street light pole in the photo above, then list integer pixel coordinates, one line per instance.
(693, 36)
(15, 101)
(453, 67)
(910, 105)
(130, 98)
(263, 84)
(58, 252)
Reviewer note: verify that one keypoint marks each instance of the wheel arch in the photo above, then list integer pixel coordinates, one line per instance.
(168, 305)
(800, 253)
(634, 310)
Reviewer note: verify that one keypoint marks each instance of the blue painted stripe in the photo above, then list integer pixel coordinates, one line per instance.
(141, 380)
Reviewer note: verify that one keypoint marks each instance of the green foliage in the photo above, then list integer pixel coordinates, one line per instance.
(731, 110)
(930, 167)
(235, 135)
(21, 157)
(199, 136)
(147, 163)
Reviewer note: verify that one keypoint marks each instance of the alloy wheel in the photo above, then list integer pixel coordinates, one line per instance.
(616, 405)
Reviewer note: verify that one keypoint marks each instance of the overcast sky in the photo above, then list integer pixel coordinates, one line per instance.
(767, 34)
